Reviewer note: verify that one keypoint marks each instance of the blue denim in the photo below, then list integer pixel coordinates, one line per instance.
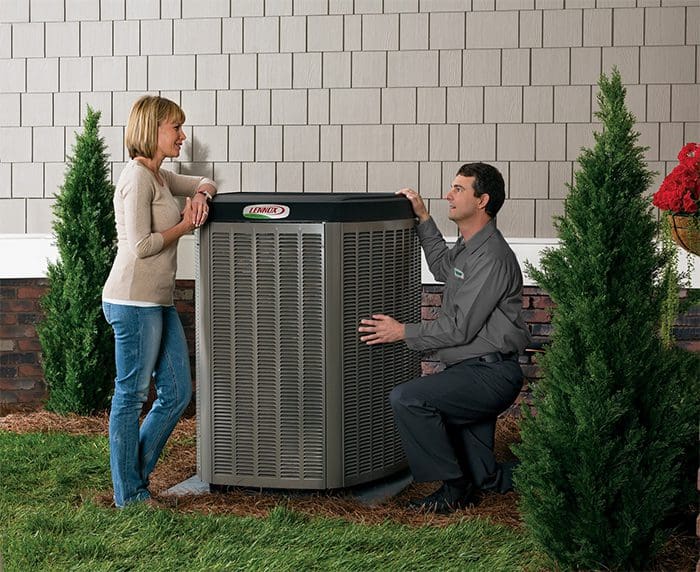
(148, 342)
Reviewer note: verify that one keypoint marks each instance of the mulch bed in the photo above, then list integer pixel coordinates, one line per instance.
(179, 463)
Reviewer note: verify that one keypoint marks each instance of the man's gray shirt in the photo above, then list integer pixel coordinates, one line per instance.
(482, 300)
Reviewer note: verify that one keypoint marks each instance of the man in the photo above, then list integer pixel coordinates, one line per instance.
(447, 420)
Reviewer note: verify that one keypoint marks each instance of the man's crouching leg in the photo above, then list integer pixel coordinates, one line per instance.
(428, 447)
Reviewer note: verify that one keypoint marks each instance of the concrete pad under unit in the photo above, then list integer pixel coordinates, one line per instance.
(368, 493)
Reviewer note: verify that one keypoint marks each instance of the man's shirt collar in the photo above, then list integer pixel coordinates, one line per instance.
(476, 241)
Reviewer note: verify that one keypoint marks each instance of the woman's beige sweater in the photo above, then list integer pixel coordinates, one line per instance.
(143, 271)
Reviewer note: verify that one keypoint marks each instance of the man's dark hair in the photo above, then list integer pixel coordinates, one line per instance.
(487, 179)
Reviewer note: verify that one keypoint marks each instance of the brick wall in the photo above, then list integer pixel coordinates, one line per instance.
(21, 377)
(22, 384)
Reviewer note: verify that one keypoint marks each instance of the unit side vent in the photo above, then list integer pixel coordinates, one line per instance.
(268, 380)
(199, 375)
(381, 274)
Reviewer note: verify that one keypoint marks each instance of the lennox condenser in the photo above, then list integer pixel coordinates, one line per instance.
(288, 396)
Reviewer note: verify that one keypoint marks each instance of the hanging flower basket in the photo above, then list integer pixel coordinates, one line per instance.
(685, 232)
(679, 196)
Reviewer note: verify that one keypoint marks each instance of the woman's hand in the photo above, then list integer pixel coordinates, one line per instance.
(185, 226)
(200, 209)
(188, 216)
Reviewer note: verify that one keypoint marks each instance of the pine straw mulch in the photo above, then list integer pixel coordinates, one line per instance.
(179, 463)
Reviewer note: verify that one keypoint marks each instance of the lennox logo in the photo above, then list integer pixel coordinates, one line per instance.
(266, 211)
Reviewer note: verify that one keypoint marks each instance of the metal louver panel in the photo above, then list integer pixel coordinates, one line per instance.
(268, 370)
(198, 349)
(381, 274)
(288, 397)
(222, 356)
(313, 365)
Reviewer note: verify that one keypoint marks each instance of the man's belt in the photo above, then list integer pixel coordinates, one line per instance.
(497, 356)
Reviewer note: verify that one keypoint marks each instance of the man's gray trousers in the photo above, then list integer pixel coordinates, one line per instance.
(447, 421)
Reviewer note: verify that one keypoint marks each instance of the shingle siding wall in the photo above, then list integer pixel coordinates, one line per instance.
(344, 95)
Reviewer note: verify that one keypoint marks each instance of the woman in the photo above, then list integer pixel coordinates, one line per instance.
(137, 298)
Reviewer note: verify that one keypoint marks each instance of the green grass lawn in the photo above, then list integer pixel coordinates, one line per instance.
(48, 522)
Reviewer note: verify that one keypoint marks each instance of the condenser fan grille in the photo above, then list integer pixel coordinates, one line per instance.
(268, 379)
(380, 272)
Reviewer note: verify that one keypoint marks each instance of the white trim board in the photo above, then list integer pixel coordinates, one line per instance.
(27, 256)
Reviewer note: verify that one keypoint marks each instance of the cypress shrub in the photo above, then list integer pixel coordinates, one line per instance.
(601, 461)
(77, 343)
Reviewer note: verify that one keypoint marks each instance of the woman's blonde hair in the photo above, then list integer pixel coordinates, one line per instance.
(146, 115)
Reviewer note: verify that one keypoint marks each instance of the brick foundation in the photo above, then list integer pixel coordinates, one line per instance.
(21, 378)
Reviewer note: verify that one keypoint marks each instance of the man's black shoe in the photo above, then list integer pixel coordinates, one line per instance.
(446, 499)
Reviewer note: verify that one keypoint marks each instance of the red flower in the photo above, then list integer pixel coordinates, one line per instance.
(680, 190)
(689, 151)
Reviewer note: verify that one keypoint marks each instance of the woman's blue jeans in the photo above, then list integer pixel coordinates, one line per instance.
(149, 342)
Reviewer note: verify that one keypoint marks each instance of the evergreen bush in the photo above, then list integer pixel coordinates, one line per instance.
(601, 459)
(77, 343)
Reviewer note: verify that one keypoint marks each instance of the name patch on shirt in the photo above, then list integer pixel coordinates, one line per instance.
(458, 273)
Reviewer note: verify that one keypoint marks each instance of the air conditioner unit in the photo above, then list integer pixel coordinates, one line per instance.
(287, 395)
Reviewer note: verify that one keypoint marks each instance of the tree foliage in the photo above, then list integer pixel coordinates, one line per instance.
(601, 459)
(77, 343)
